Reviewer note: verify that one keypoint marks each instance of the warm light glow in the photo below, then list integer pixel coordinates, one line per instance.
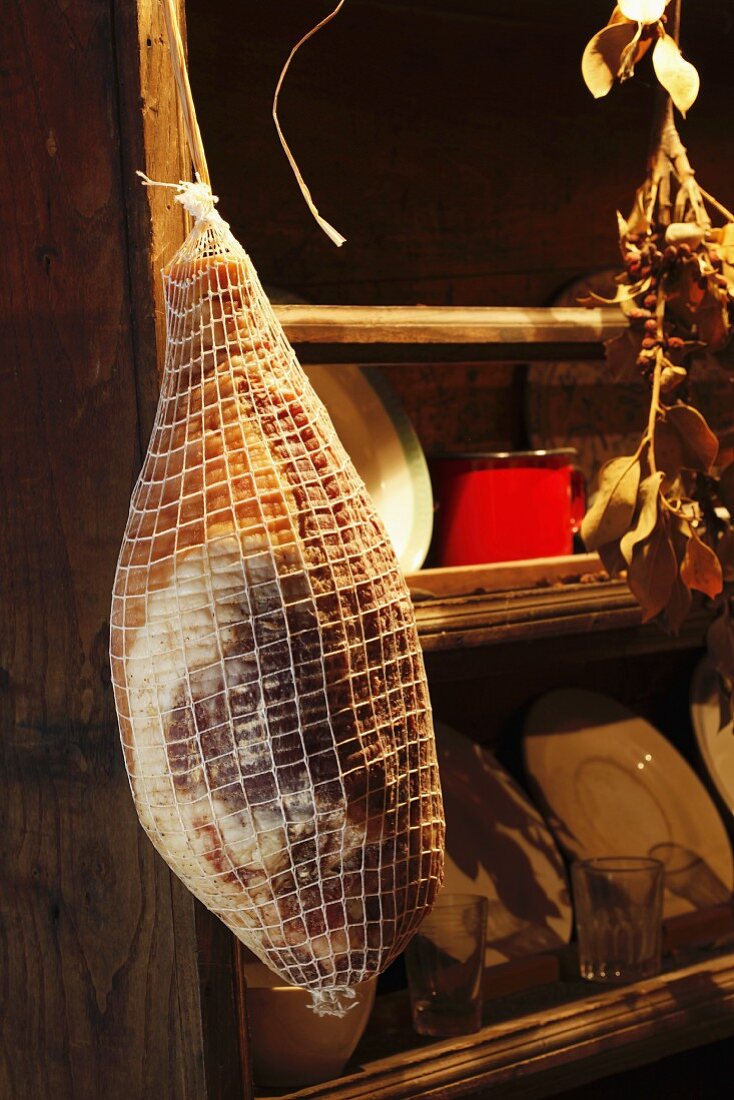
(642, 11)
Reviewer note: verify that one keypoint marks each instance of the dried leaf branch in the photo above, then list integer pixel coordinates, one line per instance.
(659, 515)
(633, 28)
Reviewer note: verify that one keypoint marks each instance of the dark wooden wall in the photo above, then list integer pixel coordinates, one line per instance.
(98, 983)
(452, 142)
(455, 145)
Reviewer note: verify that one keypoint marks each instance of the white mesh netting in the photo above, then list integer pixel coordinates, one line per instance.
(268, 679)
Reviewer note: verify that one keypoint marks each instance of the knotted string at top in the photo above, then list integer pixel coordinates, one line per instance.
(196, 198)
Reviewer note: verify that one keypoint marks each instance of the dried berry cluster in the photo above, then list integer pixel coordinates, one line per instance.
(664, 268)
(657, 516)
(663, 516)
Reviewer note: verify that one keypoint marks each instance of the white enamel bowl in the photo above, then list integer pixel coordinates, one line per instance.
(291, 1046)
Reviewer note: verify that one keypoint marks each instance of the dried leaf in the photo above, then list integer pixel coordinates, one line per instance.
(638, 221)
(677, 76)
(725, 237)
(646, 515)
(712, 320)
(611, 558)
(625, 292)
(668, 449)
(700, 568)
(629, 56)
(611, 513)
(616, 16)
(699, 444)
(600, 62)
(623, 228)
(680, 532)
(678, 606)
(653, 572)
(671, 376)
(725, 457)
(621, 354)
(684, 294)
(642, 11)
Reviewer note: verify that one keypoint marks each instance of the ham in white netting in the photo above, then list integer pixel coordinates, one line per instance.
(269, 683)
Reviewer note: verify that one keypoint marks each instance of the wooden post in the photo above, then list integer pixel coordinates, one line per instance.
(100, 994)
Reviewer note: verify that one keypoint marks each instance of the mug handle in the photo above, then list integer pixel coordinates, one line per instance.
(578, 498)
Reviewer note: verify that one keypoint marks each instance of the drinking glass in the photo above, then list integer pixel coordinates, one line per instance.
(445, 963)
(619, 910)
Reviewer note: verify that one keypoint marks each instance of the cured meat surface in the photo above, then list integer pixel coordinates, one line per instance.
(269, 683)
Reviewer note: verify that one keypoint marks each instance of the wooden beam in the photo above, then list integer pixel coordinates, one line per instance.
(468, 607)
(501, 325)
(447, 334)
(463, 580)
(594, 625)
(559, 1045)
(100, 989)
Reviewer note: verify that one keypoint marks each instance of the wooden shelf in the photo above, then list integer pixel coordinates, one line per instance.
(569, 1037)
(473, 606)
(467, 608)
(522, 615)
(396, 334)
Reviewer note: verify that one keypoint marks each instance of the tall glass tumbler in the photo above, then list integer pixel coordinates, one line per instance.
(619, 912)
(445, 963)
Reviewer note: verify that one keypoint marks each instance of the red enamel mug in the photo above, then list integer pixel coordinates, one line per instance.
(506, 506)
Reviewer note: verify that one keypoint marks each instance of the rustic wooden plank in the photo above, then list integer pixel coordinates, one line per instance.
(152, 141)
(393, 335)
(503, 325)
(488, 616)
(100, 991)
(458, 580)
(563, 1044)
(480, 172)
(402, 355)
(460, 621)
(222, 1011)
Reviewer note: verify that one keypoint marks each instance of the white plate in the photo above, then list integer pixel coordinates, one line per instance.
(612, 786)
(498, 845)
(714, 729)
(381, 442)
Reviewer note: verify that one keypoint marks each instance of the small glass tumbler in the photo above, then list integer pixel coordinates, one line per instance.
(619, 914)
(445, 964)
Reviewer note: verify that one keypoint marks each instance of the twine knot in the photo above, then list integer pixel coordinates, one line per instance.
(195, 196)
(333, 1002)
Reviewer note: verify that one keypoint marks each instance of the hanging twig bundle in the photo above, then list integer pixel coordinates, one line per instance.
(662, 516)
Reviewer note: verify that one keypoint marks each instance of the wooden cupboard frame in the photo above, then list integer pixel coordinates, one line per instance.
(108, 989)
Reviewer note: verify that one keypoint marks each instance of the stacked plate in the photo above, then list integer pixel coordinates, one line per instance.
(610, 784)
